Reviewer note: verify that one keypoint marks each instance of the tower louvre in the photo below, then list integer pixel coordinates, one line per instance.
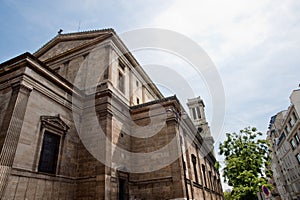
(197, 114)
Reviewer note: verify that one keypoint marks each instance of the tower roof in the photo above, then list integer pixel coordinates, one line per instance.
(196, 100)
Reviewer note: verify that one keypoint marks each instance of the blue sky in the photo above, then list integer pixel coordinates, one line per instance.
(255, 44)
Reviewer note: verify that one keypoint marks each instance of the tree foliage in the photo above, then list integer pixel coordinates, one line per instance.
(245, 161)
(228, 195)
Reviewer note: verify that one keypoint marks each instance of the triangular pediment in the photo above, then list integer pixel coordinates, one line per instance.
(70, 42)
(54, 122)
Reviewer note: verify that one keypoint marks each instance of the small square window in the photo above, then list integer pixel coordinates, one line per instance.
(298, 157)
(297, 138)
(287, 129)
(137, 100)
(291, 122)
(293, 144)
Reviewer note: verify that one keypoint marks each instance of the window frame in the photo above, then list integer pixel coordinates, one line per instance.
(291, 122)
(194, 113)
(296, 136)
(203, 169)
(57, 159)
(287, 129)
(53, 125)
(295, 116)
(198, 112)
(194, 162)
(121, 82)
(293, 144)
(298, 158)
(121, 64)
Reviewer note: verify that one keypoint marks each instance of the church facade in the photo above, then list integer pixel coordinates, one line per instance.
(80, 119)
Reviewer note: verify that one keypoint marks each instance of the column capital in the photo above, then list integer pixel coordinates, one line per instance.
(22, 87)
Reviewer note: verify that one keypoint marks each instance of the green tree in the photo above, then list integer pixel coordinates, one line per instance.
(228, 196)
(245, 160)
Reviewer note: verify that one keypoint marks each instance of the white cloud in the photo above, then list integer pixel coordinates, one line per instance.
(255, 45)
(248, 41)
(228, 28)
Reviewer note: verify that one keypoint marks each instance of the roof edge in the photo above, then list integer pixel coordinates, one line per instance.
(60, 36)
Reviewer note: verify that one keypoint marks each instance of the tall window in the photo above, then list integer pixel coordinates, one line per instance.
(49, 153)
(215, 183)
(121, 82)
(210, 180)
(194, 161)
(122, 190)
(53, 131)
(194, 113)
(198, 112)
(204, 175)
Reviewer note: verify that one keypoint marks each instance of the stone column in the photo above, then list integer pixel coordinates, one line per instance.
(12, 125)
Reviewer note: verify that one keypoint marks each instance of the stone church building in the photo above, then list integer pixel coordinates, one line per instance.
(80, 119)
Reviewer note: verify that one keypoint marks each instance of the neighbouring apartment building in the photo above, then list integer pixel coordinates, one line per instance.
(284, 137)
(68, 134)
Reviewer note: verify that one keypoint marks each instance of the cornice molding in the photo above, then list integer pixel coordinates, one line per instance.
(54, 122)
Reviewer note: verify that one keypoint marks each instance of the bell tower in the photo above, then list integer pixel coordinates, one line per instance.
(197, 114)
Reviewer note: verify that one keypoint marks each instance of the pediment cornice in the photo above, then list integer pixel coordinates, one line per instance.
(54, 122)
(85, 35)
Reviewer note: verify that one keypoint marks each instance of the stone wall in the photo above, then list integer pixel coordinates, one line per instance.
(79, 174)
(27, 185)
(165, 182)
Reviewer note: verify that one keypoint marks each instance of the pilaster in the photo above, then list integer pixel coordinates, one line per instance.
(12, 125)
